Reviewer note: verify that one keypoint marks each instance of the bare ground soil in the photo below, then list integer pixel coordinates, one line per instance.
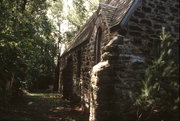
(44, 107)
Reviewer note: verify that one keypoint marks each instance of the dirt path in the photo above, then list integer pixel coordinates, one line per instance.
(39, 106)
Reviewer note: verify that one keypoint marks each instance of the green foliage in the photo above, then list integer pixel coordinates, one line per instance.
(159, 98)
(81, 11)
(27, 47)
(78, 15)
(69, 16)
(27, 38)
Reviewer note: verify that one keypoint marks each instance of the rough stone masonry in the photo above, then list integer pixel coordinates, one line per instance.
(107, 58)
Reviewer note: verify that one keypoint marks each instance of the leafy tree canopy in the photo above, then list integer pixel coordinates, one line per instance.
(27, 47)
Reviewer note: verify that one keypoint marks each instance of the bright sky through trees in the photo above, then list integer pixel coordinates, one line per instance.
(68, 16)
(67, 8)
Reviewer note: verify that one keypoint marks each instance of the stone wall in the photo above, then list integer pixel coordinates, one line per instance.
(104, 88)
(113, 79)
(145, 25)
(83, 62)
(122, 68)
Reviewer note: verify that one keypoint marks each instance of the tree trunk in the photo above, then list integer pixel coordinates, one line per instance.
(9, 83)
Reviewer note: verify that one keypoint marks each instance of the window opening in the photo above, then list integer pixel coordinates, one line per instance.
(98, 45)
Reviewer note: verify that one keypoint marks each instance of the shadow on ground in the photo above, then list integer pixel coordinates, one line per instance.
(39, 106)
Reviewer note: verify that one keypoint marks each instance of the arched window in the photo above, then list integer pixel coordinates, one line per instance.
(98, 45)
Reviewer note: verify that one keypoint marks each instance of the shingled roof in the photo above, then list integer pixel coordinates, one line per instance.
(109, 12)
(116, 12)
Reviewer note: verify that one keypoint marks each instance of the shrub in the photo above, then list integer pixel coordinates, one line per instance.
(159, 99)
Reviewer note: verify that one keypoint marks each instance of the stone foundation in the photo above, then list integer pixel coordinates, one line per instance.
(113, 79)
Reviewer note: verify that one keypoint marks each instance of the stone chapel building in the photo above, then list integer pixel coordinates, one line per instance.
(108, 56)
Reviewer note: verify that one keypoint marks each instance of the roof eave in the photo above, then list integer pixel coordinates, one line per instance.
(128, 15)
